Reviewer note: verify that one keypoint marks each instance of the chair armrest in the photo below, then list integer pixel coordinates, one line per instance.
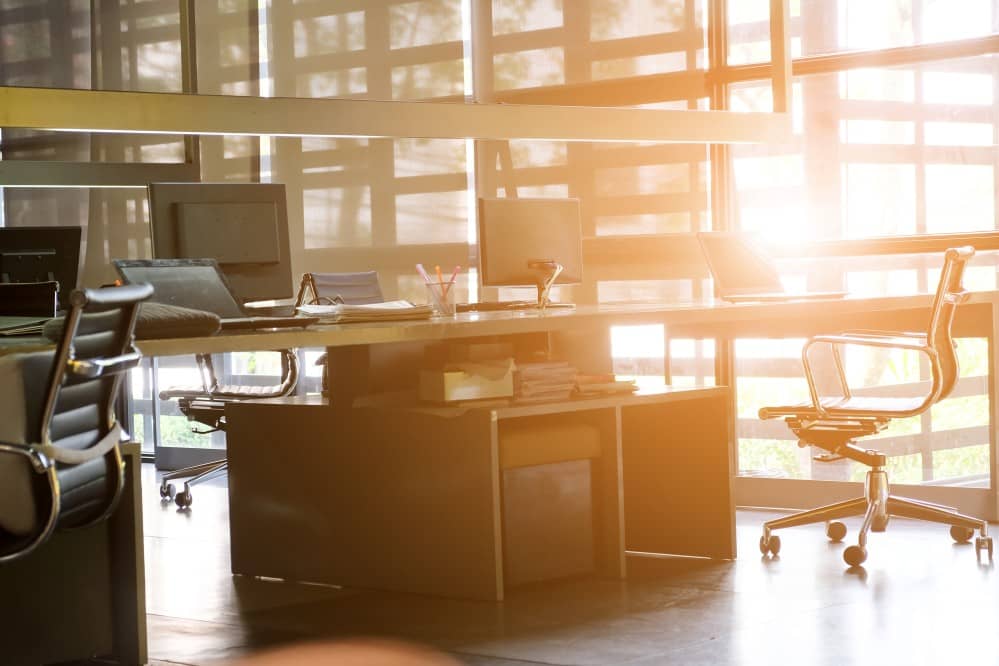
(876, 339)
(100, 367)
(888, 341)
(884, 334)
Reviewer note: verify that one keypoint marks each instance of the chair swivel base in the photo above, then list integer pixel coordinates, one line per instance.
(877, 506)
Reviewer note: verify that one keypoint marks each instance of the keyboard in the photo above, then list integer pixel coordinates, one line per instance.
(495, 306)
(257, 323)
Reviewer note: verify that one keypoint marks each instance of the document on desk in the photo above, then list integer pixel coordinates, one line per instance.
(341, 313)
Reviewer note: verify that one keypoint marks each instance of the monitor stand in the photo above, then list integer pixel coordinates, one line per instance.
(548, 272)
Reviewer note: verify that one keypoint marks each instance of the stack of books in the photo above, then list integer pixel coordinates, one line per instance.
(605, 384)
(543, 381)
(342, 313)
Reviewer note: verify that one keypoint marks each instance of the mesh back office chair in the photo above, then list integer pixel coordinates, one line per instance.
(205, 404)
(833, 422)
(60, 462)
(357, 288)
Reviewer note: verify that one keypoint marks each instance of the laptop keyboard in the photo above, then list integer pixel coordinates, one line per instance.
(495, 306)
(256, 323)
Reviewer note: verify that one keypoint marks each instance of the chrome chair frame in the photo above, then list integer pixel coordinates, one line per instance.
(834, 422)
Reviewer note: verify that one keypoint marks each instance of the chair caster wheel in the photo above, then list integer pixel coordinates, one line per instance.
(983, 543)
(835, 530)
(167, 491)
(184, 499)
(771, 545)
(961, 534)
(855, 555)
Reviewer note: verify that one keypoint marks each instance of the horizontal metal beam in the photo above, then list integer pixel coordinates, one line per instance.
(835, 62)
(31, 173)
(178, 113)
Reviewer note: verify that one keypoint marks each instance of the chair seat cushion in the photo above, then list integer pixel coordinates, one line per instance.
(159, 320)
(862, 405)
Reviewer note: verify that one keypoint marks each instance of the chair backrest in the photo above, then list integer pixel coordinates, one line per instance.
(950, 294)
(354, 288)
(72, 448)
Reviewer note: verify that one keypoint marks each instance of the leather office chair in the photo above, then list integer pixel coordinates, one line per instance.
(60, 462)
(834, 422)
(357, 288)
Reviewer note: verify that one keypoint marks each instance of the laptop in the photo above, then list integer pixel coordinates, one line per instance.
(201, 285)
(744, 273)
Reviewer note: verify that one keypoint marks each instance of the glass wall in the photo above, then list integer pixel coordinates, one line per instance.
(894, 135)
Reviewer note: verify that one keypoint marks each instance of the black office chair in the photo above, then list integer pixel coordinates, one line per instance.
(60, 462)
(356, 288)
(834, 422)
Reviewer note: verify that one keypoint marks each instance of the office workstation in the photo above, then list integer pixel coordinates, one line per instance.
(379, 330)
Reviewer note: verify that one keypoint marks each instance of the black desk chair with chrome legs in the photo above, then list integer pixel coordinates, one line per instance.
(834, 422)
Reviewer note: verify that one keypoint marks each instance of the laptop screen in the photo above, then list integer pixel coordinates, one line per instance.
(737, 266)
(189, 283)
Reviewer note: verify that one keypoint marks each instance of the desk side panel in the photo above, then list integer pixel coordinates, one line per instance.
(678, 478)
(365, 498)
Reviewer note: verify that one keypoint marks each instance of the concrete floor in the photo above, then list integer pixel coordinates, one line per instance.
(920, 599)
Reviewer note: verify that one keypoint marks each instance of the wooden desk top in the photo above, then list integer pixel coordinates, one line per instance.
(680, 317)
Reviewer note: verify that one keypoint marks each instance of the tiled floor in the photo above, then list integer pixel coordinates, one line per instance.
(920, 600)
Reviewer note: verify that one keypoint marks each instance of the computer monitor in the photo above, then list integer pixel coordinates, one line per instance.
(41, 254)
(524, 241)
(243, 226)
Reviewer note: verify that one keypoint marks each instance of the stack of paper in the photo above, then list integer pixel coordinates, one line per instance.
(603, 385)
(345, 312)
(544, 381)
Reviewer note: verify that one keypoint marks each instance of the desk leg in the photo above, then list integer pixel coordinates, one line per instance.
(993, 383)
(128, 601)
(678, 477)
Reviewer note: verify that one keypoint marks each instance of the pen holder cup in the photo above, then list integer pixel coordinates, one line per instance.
(441, 298)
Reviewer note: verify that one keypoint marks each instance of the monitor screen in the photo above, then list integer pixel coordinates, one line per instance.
(40, 254)
(243, 226)
(514, 233)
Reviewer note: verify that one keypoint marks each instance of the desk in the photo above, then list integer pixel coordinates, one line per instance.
(321, 433)
(412, 498)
